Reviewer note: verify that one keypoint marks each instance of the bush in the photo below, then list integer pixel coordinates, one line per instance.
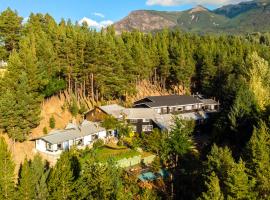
(120, 143)
(98, 143)
(83, 109)
(45, 131)
(52, 122)
(156, 165)
(73, 108)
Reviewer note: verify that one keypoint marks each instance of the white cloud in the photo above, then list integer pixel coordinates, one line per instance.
(25, 20)
(183, 2)
(94, 24)
(99, 15)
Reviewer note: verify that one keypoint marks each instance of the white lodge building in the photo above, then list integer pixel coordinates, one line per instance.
(81, 136)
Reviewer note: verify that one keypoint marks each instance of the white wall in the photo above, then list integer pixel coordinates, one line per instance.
(87, 140)
(188, 107)
(102, 134)
(41, 145)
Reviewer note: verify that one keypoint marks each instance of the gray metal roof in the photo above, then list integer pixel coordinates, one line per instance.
(59, 136)
(86, 128)
(115, 110)
(209, 102)
(169, 100)
(89, 128)
(140, 113)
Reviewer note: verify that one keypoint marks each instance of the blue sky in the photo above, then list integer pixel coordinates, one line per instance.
(100, 11)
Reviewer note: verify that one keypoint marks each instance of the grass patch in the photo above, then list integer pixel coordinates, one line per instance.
(105, 153)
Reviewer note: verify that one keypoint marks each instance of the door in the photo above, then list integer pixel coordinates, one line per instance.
(66, 145)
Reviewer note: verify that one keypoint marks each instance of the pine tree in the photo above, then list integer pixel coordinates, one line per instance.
(10, 26)
(7, 174)
(259, 158)
(26, 186)
(220, 161)
(238, 184)
(40, 174)
(20, 107)
(60, 182)
(96, 182)
(213, 189)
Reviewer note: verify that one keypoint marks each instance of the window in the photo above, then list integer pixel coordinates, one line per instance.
(147, 128)
(158, 110)
(49, 146)
(180, 109)
(79, 142)
(146, 120)
(59, 146)
(133, 121)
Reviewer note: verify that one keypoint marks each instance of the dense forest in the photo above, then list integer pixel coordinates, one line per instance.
(45, 58)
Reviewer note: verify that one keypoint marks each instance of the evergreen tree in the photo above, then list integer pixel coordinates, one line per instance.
(259, 158)
(95, 182)
(220, 161)
(213, 189)
(60, 182)
(7, 174)
(238, 184)
(39, 172)
(10, 26)
(26, 186)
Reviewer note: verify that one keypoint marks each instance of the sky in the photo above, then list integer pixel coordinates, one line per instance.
(100, 13)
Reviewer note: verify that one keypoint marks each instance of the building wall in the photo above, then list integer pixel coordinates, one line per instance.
(95, 115)
(41, 145)
(102, 134)
(87, 140)
(139, 124)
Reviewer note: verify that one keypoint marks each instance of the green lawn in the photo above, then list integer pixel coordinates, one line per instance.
(106, 152)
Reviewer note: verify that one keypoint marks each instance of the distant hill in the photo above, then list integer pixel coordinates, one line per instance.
(253, 16)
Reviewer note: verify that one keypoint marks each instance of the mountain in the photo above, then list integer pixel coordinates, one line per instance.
(252, 16)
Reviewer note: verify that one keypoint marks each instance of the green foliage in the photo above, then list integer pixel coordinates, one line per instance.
(213, 189)
(110, 123)
(45, 131)
(74, 108)
(156, 142)
(61, 178)
(26, 186)
(181, 136)
(52, 122)
(258, 150)
(156, 165)
(10, 26)
(238, 184)
(83, 109)
(97, 182)
(234, 179)
(97, 144)
(7, 173)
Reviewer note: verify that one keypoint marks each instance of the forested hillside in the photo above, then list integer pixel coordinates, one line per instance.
(45, 58)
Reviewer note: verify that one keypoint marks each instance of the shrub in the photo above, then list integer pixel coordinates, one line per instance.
(83, 109)
(98, 143)
(73, 108)
(45, 131)
(120, 143)
(52, 122)
(156, 165)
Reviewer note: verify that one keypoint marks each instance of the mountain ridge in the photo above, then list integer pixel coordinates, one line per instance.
(251, 16)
